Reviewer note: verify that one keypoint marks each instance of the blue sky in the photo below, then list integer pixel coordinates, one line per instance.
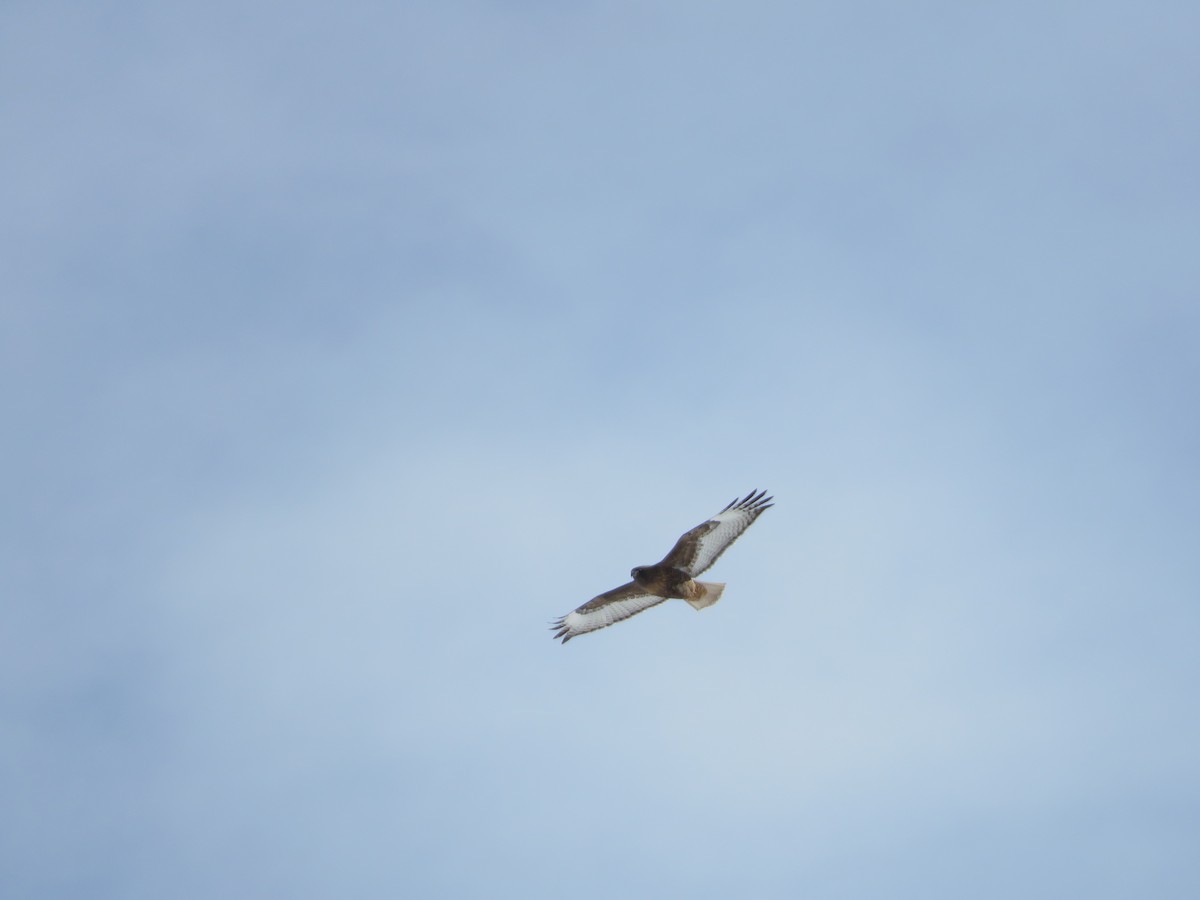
(344, 347)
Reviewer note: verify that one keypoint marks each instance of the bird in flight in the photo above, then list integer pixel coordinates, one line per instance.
(674, 576)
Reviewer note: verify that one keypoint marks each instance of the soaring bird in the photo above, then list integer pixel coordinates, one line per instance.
(674, 576)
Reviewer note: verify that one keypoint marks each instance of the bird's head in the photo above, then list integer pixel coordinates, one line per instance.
(636, 571)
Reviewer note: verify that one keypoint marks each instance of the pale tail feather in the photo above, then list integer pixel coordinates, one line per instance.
(712, 593)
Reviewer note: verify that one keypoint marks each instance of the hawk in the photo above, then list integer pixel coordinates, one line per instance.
(674, 576)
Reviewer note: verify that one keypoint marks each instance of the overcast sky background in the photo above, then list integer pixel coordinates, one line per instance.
(345, 346)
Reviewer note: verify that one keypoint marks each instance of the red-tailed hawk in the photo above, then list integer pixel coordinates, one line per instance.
(672, 577)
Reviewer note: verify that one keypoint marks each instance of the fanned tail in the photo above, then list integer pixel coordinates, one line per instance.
(712, 593)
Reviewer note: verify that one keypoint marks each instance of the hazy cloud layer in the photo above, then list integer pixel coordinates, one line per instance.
(343, 348)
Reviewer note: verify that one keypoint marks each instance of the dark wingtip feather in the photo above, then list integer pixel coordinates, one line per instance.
(755, 500)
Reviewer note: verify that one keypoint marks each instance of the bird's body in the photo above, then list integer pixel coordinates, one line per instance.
(675, 584)
(664, 581)
(673, 577)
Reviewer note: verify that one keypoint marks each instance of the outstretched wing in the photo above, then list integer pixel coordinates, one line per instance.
(700, 547)
(600, 612)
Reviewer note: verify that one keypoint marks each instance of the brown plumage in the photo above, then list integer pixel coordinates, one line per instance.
(673, 577)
